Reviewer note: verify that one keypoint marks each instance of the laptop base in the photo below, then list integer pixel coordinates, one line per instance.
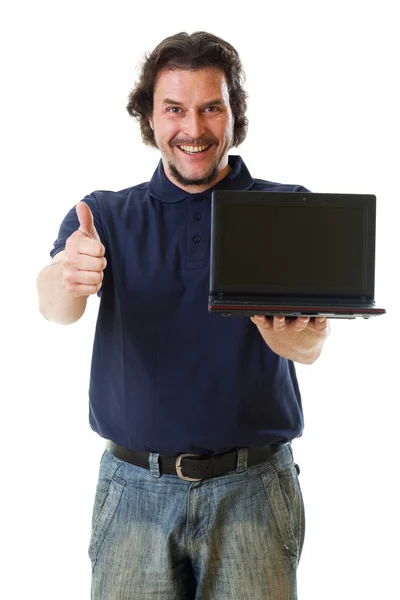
(291, 312)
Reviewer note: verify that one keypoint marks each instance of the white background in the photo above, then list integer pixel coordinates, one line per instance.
(324, 112)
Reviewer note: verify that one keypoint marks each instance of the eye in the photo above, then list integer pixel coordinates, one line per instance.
(173, 109)
(212, 109)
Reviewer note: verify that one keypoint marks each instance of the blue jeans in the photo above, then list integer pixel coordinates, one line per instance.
(238, 536)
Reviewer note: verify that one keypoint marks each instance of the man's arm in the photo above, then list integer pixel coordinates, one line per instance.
(301, 340)
(74, 274)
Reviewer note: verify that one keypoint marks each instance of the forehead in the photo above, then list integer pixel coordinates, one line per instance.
(191, 86)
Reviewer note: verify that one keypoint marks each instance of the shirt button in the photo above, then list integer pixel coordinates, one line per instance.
(197, 216)
(196, 239)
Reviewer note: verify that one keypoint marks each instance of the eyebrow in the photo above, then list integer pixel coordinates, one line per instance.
(216, 102)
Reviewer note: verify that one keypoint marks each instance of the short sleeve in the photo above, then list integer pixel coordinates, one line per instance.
(70, 224)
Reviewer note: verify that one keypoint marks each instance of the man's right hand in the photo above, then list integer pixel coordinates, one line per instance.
(83, 259)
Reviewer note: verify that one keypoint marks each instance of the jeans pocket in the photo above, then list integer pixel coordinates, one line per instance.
(107, 499)
(286, 504)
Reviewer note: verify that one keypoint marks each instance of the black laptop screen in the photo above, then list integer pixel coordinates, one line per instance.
(296, 249)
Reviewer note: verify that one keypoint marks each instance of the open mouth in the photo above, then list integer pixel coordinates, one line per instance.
(194, 149)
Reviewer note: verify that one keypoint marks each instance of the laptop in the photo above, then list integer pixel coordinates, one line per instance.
(292, 254)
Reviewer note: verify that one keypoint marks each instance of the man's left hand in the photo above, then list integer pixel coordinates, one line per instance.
(300, 340)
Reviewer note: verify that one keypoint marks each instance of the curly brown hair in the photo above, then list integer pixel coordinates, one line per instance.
(192, 52)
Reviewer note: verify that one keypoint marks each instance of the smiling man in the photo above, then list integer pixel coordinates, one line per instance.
(198, 494)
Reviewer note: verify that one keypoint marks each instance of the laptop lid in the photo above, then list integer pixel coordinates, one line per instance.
(293, 246)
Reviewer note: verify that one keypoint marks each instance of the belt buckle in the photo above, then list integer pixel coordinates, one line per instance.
(179, 468)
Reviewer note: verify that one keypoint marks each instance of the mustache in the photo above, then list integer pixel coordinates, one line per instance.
(192, 142)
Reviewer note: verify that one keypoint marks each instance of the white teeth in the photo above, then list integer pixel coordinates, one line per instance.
(194, 149)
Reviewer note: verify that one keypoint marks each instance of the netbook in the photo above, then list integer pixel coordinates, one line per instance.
(293, 254)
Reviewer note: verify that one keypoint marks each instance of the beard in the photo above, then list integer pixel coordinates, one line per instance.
(186, 181)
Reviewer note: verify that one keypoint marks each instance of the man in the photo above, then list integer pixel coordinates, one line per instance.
(168, 379)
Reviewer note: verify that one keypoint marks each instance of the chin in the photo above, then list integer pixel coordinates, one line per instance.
(199, 176)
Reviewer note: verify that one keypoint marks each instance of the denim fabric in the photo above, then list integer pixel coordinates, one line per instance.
(235, 537)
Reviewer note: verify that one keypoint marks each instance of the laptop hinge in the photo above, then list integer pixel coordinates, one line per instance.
(220, 296)
(364, 300)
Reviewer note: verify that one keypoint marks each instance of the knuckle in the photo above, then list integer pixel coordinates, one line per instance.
(65, 280)
(68, 274)
(70, 258)
(68, 266)
(73, 239)
(70, 287)
(96, 249)
(70, 241)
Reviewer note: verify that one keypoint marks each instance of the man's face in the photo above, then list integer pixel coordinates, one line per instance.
(193, 126)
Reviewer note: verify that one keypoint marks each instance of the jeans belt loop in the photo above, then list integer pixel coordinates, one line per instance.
(154, 466)
(242, 460)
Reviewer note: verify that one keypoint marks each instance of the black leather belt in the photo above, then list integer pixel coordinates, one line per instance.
(194, 467)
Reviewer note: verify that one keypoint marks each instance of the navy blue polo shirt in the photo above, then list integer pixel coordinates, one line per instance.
(167, 376)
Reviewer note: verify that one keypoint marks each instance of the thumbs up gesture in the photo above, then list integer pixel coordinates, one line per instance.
(83, 260)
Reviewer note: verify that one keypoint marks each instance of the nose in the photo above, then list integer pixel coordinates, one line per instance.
(194, 126)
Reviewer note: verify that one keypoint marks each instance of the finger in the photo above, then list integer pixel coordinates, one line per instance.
(300, 323)
(279, 323)
(90, 263)
(261, 321)
(91, 247)
(86, 245)
(320, 323)
(74, 276)
(86, 221)
(78, 289)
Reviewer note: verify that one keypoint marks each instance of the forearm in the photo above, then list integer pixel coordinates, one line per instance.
(55, 303)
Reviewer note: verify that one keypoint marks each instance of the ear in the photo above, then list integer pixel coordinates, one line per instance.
(151, 123)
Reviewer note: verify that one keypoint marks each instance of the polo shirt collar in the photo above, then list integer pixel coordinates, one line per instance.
(163, 189)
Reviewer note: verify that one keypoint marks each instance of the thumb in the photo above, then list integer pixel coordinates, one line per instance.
(86, 221)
